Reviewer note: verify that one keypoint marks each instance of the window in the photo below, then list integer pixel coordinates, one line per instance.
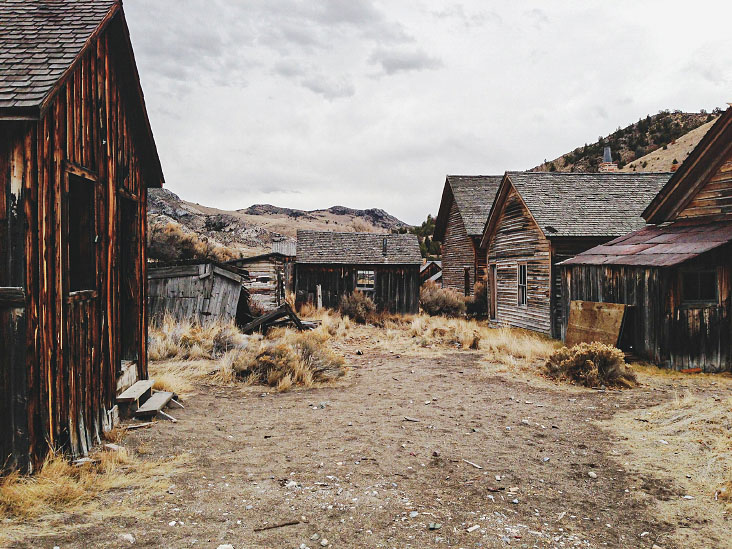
(81, 234)
(522, 284)
(365, 280)
(699, 286)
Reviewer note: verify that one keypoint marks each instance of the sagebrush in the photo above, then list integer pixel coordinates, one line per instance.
(441, 301)
(591, 365)
(358, 307)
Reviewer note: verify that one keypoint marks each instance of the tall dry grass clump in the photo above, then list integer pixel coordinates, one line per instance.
(171, 241)
(60, 486)
(591, 365)
(189, 340)
(441, 301)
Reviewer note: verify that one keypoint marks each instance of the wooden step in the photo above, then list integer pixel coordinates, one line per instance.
(136, 391)
(154, 404)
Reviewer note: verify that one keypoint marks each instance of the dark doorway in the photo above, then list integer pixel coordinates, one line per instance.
(493, 295)
(129, 284)
(467, 281)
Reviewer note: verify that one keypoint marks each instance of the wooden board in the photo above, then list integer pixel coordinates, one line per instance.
(590, 321)
(136, 391)
(154, 404)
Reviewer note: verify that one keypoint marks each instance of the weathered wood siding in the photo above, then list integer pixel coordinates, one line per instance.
(90, 129)
(517, 239)
(278, 272)
(200, 292)
(396, 287)
(458, 253)
(715, 198)
(660, 327)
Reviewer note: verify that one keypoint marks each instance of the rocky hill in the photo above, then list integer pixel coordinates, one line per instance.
(630, 144)
(252, 230)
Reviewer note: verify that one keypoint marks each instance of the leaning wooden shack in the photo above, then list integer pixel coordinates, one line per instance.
(542, 218)
(383, 266)
(199, 291)
(675, 275)
(271, 278)
(76, 158)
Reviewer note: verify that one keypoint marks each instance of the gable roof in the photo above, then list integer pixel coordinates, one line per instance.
(39, 43)
(659, 246)
(473, 195)
(693, 173)
(357, 248)
(566, 204)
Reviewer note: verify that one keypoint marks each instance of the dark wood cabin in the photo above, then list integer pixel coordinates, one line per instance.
(76, 158)
(382, 266)
(199, 291)
(542, 218)
(430, 270)
(675, 274)
(466, 203)
(271, 278)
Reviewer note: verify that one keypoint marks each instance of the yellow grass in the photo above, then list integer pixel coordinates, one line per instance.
(187, 340)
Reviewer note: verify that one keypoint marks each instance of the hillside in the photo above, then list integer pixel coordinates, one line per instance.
(249, 231)
(642, 139)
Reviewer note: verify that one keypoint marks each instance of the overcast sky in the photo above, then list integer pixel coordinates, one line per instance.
(368, 104)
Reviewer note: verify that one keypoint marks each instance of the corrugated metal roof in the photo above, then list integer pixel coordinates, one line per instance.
(587, 204)
(39, 41)
(324, 247)
(661, 246)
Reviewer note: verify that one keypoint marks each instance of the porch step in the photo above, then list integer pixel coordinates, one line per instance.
(137, 390)
(154, 404)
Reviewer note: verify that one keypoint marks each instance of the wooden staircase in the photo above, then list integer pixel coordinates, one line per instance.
(141, 401)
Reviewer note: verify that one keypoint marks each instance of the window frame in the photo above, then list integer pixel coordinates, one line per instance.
(525, 286)
(698, 272)
(372, 276)
(90, 289)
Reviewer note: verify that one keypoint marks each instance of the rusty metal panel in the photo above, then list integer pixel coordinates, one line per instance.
(590, 321)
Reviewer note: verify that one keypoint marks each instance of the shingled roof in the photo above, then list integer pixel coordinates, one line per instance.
(357, 248)
(39, 41)
(473, 195)
(661, 246)
(587, 204)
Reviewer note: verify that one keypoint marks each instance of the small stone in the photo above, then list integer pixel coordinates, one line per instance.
(688, 497)
(515, 501)
(315, 537)
(413, 514)
(434, 526)
(546, 459)
(473, 528)
(129, 538)
(436, 453)
(249, 507)
(323, 542)
(592, 474)
(171, 523)
(225, 546)
(525, 421)
(359, 352)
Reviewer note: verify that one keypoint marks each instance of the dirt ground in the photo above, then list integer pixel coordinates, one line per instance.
(416, 450)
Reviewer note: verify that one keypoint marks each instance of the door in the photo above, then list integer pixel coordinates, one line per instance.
(494, 294)
(128, 280)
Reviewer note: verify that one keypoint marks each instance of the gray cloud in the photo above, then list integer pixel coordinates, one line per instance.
(393, 61)
(330, 88)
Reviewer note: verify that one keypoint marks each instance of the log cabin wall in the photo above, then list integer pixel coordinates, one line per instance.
(84, 144)
(518, 240)
(396, 287)
(458, 254)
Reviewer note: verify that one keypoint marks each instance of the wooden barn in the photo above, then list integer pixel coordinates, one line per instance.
(271, 278)
(542, 218)
(466, 203)
(676, 274)
(430, 270)
(382, 266)
(200, 291)
(76, 158)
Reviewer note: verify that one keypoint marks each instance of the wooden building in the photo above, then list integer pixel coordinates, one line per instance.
(201, 291)
(76, 158)
(466, 203)
(430, 270)
(382, 266)
(675, 274)
(271, 278)
(542, 218)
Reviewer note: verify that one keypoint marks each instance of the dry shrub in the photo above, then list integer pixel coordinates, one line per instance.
(170, 241)
(357, 306)
(452, 332)
(478, 303)
(307, 310)
(591, 365)
(60, 486)
(187, 340)
(441, 301)
(286, 359)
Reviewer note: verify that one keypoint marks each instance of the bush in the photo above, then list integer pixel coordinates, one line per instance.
(172, 242)
(358, 306)
(591, 365)
(478, 304)
(441, 301)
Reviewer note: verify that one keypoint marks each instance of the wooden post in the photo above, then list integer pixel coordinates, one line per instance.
(319, 294)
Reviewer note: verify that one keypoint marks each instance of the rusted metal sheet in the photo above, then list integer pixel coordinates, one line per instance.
(590, 321)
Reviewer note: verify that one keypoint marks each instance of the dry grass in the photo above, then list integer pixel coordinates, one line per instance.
(591, 365)
(435, 300)
(34, 502)
(187, 340)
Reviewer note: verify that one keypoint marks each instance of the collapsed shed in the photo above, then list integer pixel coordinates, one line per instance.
(675, 275)
(542, 218)
(464, 208)
(199, 290)
(385, 267)
(271, 278)
(76, 158)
